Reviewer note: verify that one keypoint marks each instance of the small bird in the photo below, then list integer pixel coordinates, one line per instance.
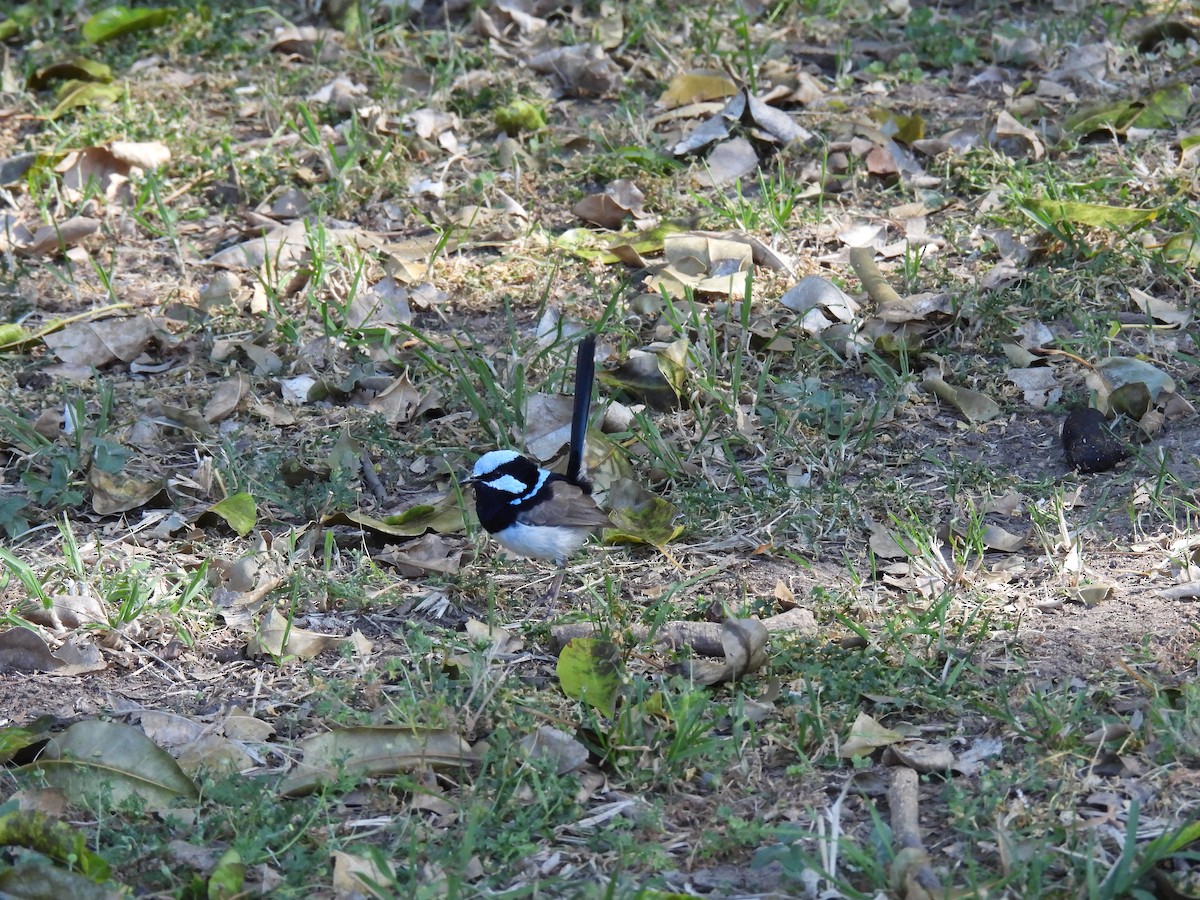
(532, 511)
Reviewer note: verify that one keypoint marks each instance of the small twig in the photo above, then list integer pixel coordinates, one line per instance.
(1047, 351)
(371, 480)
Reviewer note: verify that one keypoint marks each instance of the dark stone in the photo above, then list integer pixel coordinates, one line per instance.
(1088, 443)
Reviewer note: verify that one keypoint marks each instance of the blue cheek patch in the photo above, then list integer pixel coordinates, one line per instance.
(506, 483)
(543, 474)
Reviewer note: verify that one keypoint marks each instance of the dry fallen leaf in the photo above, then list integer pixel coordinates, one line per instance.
(866, 736)
(96, 344)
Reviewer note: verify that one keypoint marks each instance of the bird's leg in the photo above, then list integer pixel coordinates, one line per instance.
(551, 596)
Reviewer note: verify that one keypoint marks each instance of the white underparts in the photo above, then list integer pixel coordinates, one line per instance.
(542, 541)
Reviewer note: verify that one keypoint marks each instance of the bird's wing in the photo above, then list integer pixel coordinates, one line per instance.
(566, 505)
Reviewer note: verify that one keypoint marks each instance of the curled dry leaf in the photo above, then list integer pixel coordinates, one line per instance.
(1015, 139)
(774, 121)
(620, 199)
(22, 650)
(1091, 594)
(148, 155)
(357, 876)
(820, 303)
(885, 544)
(278, 637)
(920, 756)
(704, 263)
(66, 612)
(96, 344)
(971, 760)
(225, 399)
(306, 42)
(558, 746)
(429, 554)
(1160, 310)
(112, 494)
(1039, 386)
(579, 69)
(745, 644)
(371, 752)
(866, 736)
(695, 86)
(547, 425)
(49, 239)
(398, 402)
(79, 657)
(729, 161)
(975, 406)
(383, 305)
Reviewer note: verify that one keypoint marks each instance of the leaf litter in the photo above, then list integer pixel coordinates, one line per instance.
(259, 453)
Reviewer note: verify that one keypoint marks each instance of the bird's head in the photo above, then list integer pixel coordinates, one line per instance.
(507, 472)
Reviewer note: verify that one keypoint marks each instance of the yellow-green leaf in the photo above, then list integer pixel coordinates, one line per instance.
(443, 517)
(94, 759)
(11, 333)
(1093, 214)
(56, 840)
(640, 517)
(117, 21)
(1183, 249)
(696, 87)
(589, 670)
(239, 510)
(520, 116)
(21, 17)
(86, 93)
(77, 69)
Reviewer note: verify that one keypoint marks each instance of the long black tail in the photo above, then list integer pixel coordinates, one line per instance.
(585, 374)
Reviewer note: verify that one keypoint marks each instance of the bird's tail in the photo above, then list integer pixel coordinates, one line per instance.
(585, 374)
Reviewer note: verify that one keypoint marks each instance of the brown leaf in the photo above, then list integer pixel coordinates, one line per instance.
(120, 493)
(384, 304)
(50, 239)
(620, 199)
(580, 69)
(397, 402)
(730, 161)
(279, 637)
(66, 611)
(225, 399)
(429, 554)
(97, 344)
(21, 650)
(745, 644)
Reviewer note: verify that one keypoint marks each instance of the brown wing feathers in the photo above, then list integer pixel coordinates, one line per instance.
(566, 505)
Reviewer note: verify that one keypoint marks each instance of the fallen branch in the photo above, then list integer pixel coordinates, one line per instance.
(704, 638)
(912, 875)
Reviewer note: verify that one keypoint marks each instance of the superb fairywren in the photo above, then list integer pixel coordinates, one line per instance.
(535, 512)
